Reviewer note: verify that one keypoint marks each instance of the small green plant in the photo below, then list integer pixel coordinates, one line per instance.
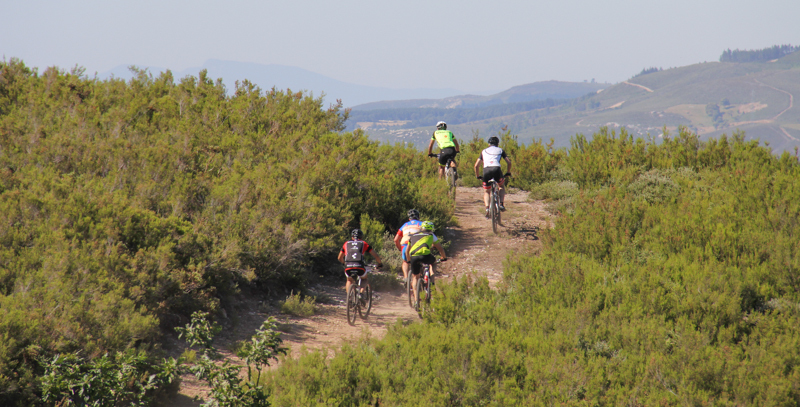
(227, 388)
(199, 332)
(297, 305)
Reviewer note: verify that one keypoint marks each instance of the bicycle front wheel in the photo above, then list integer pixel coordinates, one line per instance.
(352, 304)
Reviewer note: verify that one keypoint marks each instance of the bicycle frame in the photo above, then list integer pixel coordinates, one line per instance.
(355, 297)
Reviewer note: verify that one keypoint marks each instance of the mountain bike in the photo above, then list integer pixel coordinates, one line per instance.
(424, 284)
(358, 301)
(494, 204)
(450, 175)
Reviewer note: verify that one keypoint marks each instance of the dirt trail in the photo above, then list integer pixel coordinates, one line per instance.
(474, 248)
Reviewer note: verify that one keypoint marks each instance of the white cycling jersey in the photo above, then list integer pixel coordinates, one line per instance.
(491, 156)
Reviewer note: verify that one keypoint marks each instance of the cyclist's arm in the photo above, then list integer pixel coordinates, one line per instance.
(441, 250)
(477, 164)
(430, 146)
(508, 161)
(341, 257)
(458, 149)
(397, 238)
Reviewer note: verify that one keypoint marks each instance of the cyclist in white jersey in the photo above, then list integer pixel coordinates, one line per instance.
(492, 170)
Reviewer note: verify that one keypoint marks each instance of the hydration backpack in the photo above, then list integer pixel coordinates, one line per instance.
(354, 254)
(420, 244)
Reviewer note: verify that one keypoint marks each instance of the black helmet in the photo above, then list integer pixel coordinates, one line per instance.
(413, 214)
(357, 234)
(493, 141)
(441, 126)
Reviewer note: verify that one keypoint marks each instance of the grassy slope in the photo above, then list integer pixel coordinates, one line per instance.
(679, 97)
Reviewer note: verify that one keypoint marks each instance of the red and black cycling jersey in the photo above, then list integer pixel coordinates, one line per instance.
(354, 251)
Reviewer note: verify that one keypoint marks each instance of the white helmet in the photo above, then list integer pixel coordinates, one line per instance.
(441, 126)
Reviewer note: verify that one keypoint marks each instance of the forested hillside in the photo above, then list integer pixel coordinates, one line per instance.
(757, 55)
(670, 278)
(126, 206)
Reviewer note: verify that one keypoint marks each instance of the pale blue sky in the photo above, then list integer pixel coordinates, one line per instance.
(474, 46)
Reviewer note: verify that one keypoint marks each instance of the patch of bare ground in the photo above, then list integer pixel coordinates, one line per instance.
(474, 248)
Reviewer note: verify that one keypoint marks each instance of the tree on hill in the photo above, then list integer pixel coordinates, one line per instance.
(757, 55)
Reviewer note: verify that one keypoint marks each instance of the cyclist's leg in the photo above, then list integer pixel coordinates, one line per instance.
(443, 161)
(502, 184)
(350, 281)
(405, 262)
(448, 155)
(415, 270)
(487, 189)
(431, 260)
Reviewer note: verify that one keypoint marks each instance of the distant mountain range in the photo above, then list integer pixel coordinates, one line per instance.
(708, 98)
(517, 94)
(288, 77)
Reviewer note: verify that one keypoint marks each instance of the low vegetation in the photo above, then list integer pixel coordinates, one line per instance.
(127, 206)
(671, 280)
(300, 306)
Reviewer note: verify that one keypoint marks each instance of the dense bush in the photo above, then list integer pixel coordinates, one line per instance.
(125, 206)
(673, 280)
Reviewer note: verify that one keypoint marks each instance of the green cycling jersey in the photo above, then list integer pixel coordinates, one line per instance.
(444, 138)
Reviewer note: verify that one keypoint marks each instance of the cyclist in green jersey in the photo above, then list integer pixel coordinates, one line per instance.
(418, 251)
(448, 145)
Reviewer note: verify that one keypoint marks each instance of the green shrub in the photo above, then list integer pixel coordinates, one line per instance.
(554, 191)
(298, 305)
(671, 280)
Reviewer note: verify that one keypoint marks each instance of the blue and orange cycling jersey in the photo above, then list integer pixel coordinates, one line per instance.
(405, 232)
(408, 229)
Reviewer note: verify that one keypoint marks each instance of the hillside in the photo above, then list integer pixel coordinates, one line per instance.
(708, 98)
(521, 93)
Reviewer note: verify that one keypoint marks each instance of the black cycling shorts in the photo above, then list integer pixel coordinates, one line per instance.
(495, 173)
(353, 273)
(446, 153)
(417, 262)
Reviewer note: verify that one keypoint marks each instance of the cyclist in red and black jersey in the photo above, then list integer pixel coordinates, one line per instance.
(352, 256)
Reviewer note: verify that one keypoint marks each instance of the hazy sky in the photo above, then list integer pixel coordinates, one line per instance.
(468, 45)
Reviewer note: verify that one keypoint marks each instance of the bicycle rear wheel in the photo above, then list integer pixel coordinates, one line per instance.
(494, 212)
(363, 311)
(409, 289)
(419, 291)
(427, 288)
(352, 304)
(498, 213)
(452, 177)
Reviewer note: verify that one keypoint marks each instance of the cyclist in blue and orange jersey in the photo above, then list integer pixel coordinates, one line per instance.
(419, 251)
(352, 256)
(491, 169)
(414, 225)
(448, 145)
